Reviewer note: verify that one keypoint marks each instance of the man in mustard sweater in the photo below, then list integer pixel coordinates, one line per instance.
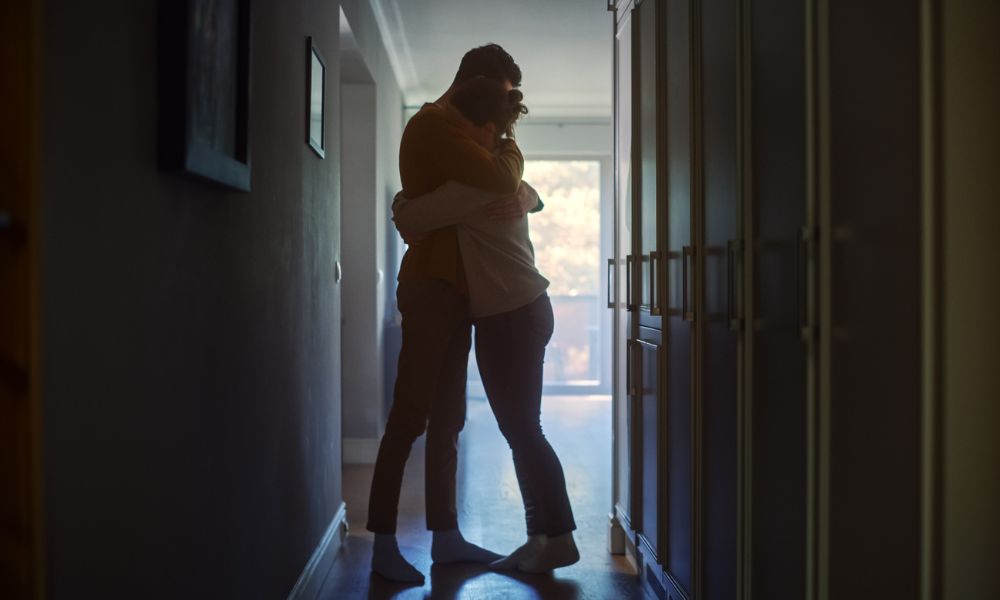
(433, 299)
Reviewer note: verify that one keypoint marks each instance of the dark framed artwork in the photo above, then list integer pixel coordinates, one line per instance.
(204, 61)
(315, 98)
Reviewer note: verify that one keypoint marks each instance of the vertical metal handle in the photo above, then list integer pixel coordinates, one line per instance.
(731, 258)
(630, 388)
(628, 367)
(628, 283)
(654, 293)
(802, 249)
(686, 253)
(609, 288)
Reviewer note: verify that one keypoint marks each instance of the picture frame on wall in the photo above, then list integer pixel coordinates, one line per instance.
(315, 98)
(204, 74)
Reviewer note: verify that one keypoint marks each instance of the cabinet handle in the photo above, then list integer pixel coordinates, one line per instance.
(6, 221)
(686, 253)
(654, 296)
(628, 283)
(649, 345)
(731, 258)
(630, 387)
(609, 288)
(802, 250)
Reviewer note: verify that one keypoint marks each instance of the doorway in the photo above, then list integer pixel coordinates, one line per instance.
(362, 237)
(570, 235)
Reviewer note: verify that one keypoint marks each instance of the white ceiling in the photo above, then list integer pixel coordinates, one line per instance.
(562, 46)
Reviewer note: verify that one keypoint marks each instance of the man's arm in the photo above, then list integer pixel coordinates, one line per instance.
(465, 161)
(515, 206)
(450, 204)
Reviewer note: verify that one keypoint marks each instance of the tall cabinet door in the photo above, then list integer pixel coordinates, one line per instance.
(775, 367)
(869, 218)
(621, 300)
(646, 242)
(21, 551)
(718, 33)
(674, 27)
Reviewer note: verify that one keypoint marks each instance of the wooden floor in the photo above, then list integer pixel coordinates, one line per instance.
(491, 514)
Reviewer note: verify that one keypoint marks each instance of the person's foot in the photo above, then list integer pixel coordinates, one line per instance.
(388, 562)
(527, 550)
(451, 547)
(559, 551)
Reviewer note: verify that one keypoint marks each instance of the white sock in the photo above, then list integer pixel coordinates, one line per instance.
(559, 551)
(451, 547)
(388, 562)
(525, 551)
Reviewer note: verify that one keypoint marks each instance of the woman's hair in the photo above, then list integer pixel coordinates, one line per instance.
(483, 100)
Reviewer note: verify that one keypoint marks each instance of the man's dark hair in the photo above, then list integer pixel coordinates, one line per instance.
(489, 61)
(482, 100)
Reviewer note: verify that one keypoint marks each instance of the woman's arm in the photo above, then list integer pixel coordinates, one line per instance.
(450, 204)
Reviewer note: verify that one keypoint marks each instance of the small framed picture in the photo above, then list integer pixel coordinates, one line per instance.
(204, 71)
(315, 99)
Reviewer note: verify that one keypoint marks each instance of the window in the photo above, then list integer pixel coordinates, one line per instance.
(567, 240)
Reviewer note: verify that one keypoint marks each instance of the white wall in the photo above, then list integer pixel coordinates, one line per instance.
(189, 336)
(362, 288)
(540, 137)
(377, 116)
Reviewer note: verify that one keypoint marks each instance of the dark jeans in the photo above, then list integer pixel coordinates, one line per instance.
(510, 351)
(429, 395)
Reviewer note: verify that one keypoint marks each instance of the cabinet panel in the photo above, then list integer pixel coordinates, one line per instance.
(646, 142)
(776, 362)
(649, 356)
(679, 456)
(623, 251)
(719, 36)
(21, 551)
(873, 332)
(679, 263)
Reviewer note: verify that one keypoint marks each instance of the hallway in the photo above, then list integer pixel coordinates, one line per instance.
(770, 238)
(491, 515)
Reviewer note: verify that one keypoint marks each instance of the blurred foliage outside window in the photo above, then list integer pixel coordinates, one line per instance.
(567, 240)
(567, 234)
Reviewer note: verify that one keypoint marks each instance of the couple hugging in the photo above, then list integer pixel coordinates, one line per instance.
(463, 213)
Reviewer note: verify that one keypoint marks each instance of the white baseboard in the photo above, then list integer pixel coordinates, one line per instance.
(616, 535)
(311, 579)
(631, 553)
(360, 451)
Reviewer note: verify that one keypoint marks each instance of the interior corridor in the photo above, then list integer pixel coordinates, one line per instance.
(491, 515)
(770, 234)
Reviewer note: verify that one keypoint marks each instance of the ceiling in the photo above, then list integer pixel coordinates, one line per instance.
(562, 46)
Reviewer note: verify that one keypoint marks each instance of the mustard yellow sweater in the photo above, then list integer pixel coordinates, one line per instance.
(434, 150)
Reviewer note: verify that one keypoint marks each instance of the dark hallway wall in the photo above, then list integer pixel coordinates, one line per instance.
(190, 334)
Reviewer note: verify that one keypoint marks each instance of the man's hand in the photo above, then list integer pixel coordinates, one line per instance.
(514, 206)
